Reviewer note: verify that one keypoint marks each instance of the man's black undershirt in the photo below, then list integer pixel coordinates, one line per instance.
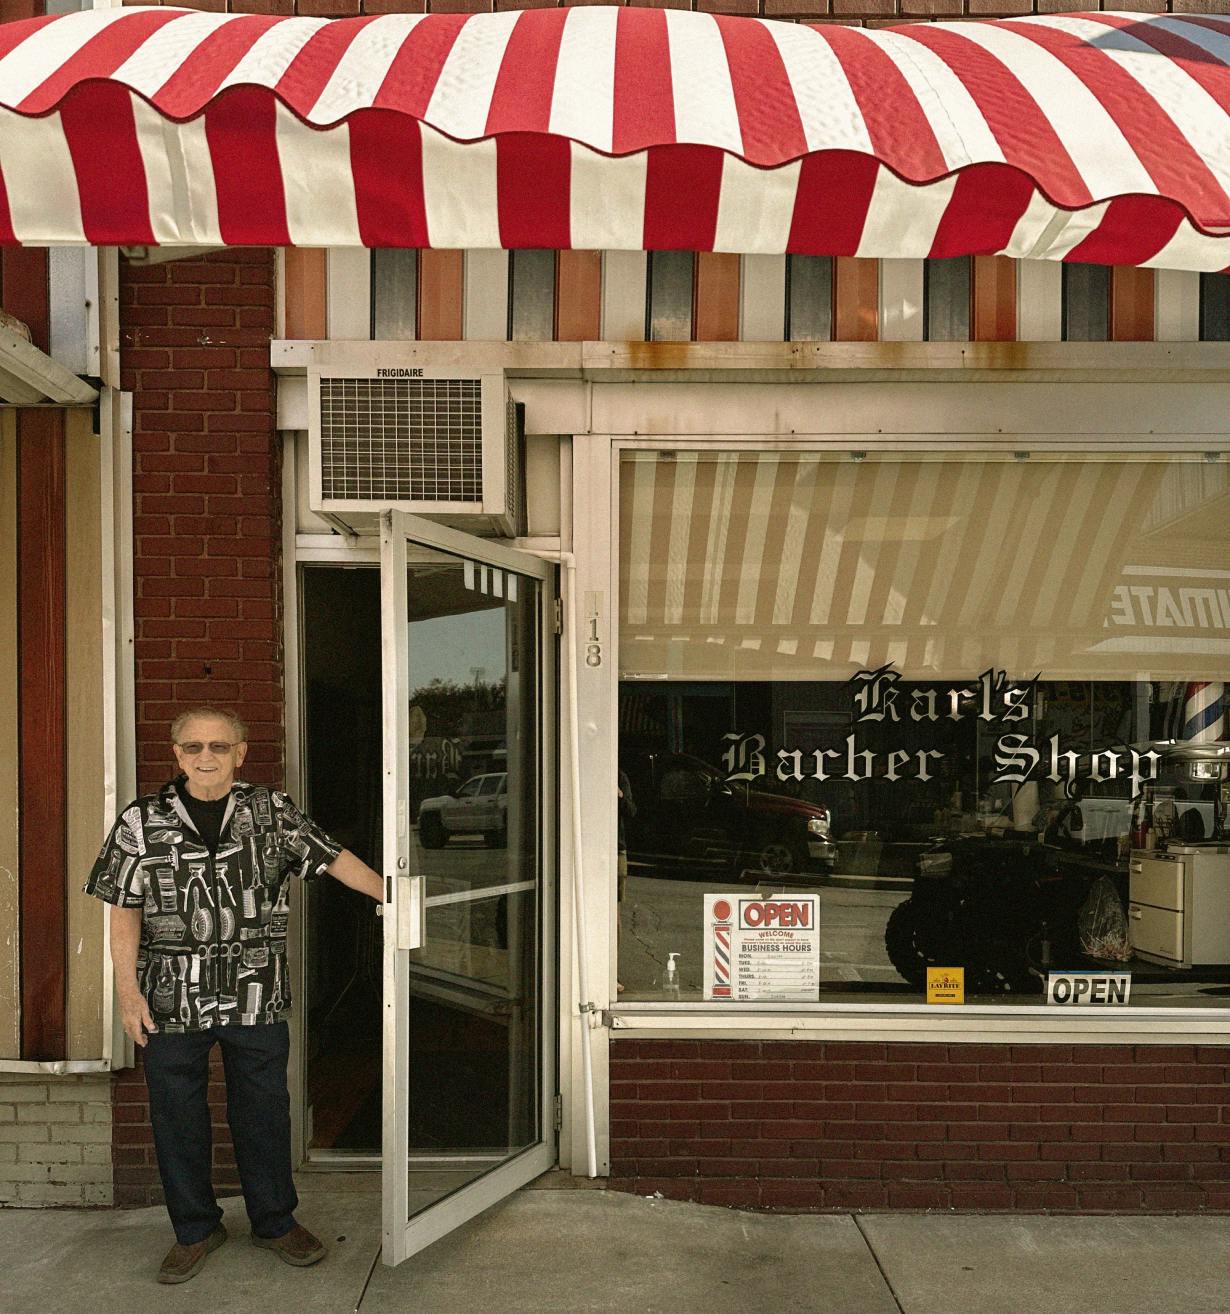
(207, 814)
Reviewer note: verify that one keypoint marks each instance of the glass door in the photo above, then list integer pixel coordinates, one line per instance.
(469, 849)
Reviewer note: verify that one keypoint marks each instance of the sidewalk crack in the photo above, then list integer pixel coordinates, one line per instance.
(368, 1279)
(871, 1250)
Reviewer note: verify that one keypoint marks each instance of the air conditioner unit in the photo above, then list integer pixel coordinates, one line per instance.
(438, 443)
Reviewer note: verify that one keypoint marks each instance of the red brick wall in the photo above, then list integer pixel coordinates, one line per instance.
(805, 1125)
(206, 555)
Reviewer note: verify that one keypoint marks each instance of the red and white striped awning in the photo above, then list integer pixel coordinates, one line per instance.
(1097, 137)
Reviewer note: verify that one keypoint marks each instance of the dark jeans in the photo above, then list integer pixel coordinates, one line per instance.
(257, 1108)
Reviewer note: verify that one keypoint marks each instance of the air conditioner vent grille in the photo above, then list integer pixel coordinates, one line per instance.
(401, 440)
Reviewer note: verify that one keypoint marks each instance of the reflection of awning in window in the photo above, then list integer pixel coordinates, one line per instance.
(762, 565)
(1099, 137)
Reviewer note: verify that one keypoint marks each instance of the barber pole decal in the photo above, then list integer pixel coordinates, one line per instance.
(721, 950)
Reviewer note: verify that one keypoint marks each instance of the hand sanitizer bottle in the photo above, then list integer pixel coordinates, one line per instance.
(672, 975)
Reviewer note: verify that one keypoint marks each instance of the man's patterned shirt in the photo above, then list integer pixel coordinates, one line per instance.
(213, 933)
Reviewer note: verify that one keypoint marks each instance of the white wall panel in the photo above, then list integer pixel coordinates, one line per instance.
(762, 298)
(623, 296)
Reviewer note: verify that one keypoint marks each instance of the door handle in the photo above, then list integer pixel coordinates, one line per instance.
(411, 912)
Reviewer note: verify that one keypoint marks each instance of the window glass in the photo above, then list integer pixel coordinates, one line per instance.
(531, 300)
(1214, 308)
(809, 298)
(1086, 303)
(946, 299)
(470, 788)
(974, 707)
(671, 281)
(492, 784)
(395, 275)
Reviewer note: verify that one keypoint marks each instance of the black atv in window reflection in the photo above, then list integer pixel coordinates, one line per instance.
(1009, 905)
(1003, 908)
(690, 823)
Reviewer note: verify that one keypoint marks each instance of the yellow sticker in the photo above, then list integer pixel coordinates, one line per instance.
(945, 985)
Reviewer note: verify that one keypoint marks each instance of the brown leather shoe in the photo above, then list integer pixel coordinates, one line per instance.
(298, 1246)
(183, 1262)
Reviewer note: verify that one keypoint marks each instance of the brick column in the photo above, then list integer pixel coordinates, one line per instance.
(206, 556)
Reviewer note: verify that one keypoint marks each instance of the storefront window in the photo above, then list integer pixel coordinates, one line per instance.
(971, 708)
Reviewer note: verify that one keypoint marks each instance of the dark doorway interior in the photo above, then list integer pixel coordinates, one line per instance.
(459, 1054)
(342, 790)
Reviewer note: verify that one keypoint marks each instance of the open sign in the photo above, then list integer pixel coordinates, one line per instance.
(758, 914)
(1088, 987)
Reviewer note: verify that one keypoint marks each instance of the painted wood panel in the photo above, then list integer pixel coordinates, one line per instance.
(1039, 301)
(762, 298)
(715, 317)
(1176, 296)
(42, 858)
(441, 299)
(901, 300)
(349, 280)
(24, 290)
(305, 305)
(10, 988)
(856, 299)
(84, 637)
(994, 299)
(624, 295)
(1131, 304)
(485, 284)
(578, 296)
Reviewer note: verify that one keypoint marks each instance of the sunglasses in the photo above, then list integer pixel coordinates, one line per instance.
(194, 749)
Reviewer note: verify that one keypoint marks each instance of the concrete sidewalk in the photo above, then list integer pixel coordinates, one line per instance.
(599, 1252)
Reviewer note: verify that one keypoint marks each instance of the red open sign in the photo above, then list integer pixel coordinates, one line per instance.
(755, 914)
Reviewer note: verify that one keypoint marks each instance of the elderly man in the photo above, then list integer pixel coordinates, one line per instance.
(199, 874)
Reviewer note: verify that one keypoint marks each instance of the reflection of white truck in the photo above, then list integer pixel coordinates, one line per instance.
(479, 807)
(1104, 821)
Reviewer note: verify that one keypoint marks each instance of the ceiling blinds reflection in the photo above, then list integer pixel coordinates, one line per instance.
(789, 566)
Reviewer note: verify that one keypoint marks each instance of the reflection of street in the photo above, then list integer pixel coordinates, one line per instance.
(467, 933)
(658, 917)
(463, 862)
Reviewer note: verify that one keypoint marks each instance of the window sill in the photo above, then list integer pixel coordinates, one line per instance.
(55, 1067)
(970, 1023)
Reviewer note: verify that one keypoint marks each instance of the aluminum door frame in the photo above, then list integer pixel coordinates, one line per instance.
(404, 1236)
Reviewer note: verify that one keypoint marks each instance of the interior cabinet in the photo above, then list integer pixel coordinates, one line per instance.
(1179, 906)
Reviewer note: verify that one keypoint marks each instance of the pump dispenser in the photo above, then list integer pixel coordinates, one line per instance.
(672, 974)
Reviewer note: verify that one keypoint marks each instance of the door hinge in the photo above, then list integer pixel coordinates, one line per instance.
(559, 1112)
(559, 616)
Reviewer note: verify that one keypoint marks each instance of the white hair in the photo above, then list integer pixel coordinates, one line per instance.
(238, 727)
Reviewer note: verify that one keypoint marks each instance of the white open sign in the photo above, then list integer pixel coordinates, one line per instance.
(1107, 988)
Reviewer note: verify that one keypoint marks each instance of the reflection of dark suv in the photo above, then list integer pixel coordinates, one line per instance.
(689, 819)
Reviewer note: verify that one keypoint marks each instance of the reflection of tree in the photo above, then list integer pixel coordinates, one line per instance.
(449, 705)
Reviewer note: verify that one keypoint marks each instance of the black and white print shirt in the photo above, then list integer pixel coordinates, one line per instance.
(213, 933)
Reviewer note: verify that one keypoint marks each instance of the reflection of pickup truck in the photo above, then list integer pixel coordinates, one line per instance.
(690, 821)
(479, 807)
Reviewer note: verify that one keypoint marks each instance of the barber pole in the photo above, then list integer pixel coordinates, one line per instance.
(1203, 717)
(721, 952)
